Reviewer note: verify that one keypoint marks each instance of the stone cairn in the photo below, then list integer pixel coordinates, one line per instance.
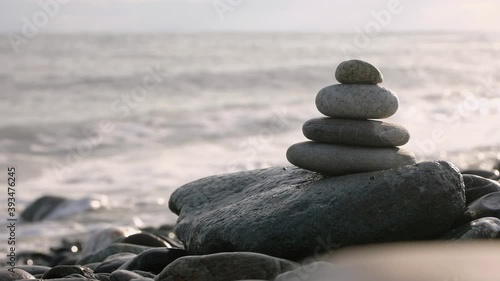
(348, 141)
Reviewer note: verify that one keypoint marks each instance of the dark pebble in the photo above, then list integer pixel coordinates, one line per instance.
(112, 249)
(61, 271)
(124, 275)
(476, 186)
(16, 274)
(34, 269)
(145, 273)
(146, 239)
(103, 276)
(41, 207)
(166, 232)
(483, 228)
(485, 206)
(481, 173)
(113, 262)
(93, 265)
(155, 260)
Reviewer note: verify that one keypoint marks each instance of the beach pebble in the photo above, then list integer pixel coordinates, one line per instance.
(124, 275)
(476, 186)
(291, 213)
(481, 173)
(146, 239)
(154, 260)
(225, 267)
(482, 228)
(355, 132)
(358, 72)
(357, 101)
(61, 271)
(337, 160)
(15, 274)
(41, 208)
(33, 269)
(105, 237)
(113, 262)
(145, 274)
(114, 248)
(485, 206)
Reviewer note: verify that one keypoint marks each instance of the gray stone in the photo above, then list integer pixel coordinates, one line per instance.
(225, 267)
(483, 228)
(154, 260)
(485, 206)
(62, 271)
(481, 173)
(355, 132)
(337, 159)
(33, 269)
(358, 72)
(293, 213)
(476, 187)
(113, 262)
(357, 101)
(124, 275)
(146, 239)
(111, 250)
(41, 208)
(14, 274)
(105, 237)
(103, 276)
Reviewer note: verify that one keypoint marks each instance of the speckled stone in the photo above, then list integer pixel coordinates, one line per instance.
(355, 132)
(358, 72)
(336, 159)
(293, 213)
(357, 101)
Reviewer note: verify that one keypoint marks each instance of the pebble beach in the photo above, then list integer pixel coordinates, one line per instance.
(378, 152)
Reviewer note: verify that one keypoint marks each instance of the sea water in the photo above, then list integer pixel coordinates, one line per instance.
(119, 121)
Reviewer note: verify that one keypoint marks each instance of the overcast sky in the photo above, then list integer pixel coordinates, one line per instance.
(248, 15)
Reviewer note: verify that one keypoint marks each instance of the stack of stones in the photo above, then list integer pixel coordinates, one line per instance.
(348, 141)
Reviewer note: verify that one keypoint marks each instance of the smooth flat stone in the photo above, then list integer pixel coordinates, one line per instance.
(485, 206)
(357, 101)
(482, 228)
(337, 159)
(225, 267)
(476, 187)
(62, 271)
(154, 260)
(355, 132)
(482, 173)
(293, 213)
(358, 72)
(14, 274)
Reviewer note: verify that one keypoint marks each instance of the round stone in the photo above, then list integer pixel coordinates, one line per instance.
(358, 72)
(357, 101)
(486, 206)
(336, 159)
(355, 132)
(476, 187)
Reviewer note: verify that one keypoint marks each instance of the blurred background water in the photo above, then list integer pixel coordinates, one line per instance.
(214, 103)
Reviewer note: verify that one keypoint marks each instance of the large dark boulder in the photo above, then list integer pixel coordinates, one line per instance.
(294, 213)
